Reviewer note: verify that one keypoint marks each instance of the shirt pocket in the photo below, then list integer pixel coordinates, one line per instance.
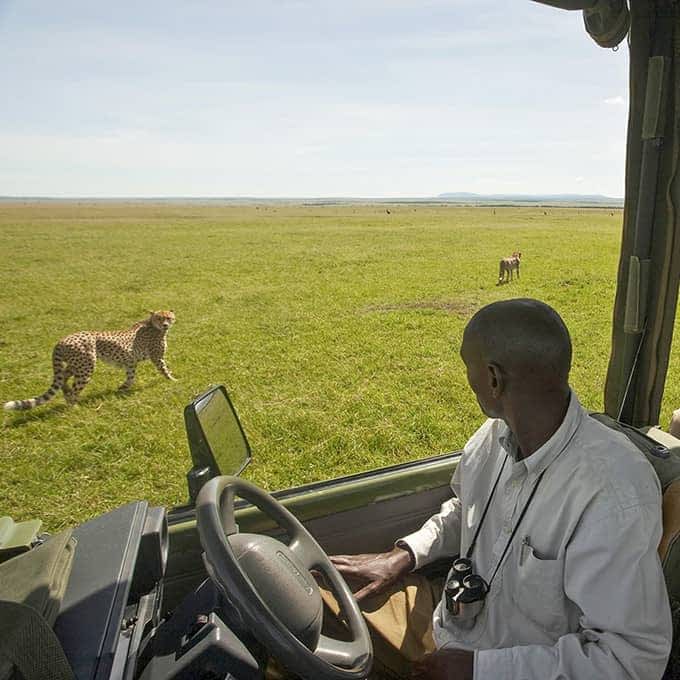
(539, 592)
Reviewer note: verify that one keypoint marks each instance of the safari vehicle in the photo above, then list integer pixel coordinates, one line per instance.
(214, 588)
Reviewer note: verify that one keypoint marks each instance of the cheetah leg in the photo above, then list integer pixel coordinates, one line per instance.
(66, 388)
(163, 368)
(81, 376)
(130, 370)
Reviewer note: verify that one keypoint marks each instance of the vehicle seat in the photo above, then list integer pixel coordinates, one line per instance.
(669, 552)
(669, 548)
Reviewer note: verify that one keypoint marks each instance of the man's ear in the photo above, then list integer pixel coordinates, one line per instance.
(496, 380)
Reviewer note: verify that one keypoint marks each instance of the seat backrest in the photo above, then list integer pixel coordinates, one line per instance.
(663, 451)
(669, 548)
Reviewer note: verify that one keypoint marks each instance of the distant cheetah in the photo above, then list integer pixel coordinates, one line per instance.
(76, 355)
(507, 266)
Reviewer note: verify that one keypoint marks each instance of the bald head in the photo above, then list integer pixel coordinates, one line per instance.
(525, 337)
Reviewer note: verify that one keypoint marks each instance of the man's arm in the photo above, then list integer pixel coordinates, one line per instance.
(613, 574)
(439, 536)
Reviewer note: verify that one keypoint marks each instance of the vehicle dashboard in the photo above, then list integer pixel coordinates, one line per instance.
(118, 569)
(111, 624)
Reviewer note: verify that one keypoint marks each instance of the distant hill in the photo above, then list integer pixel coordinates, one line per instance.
(531, 199)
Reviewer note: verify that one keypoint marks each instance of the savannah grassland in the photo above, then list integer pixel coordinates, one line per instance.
(335, 329)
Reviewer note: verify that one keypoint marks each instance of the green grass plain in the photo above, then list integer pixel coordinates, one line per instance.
(335, 329)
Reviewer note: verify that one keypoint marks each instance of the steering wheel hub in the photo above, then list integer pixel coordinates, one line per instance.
(283, 583)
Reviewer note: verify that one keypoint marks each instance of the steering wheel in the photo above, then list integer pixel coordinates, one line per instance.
(270, 585)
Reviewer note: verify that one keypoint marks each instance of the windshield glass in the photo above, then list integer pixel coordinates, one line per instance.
(390, 154)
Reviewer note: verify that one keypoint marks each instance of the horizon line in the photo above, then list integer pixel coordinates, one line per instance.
(446, 196)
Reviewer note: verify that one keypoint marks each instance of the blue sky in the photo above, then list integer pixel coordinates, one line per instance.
(296, 98)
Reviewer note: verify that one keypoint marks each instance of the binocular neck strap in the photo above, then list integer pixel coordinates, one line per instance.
(514, 531)
(468, 554)
(524, 509)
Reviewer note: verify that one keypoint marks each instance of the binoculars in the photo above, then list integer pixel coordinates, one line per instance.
(464, 591)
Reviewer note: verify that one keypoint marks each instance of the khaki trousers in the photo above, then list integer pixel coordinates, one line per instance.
(400, 622)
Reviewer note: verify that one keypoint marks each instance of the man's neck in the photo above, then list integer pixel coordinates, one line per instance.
(534, 423)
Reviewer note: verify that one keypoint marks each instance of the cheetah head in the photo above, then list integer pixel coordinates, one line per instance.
(163, 319)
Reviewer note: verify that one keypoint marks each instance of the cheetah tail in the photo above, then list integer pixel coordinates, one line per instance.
(57, 384)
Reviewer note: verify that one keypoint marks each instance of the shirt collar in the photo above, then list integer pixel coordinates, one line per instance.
(546, 454)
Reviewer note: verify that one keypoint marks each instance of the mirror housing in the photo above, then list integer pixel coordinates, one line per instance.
(607, 21)
(217, 442)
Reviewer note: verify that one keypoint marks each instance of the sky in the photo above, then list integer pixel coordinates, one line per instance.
(298, 98)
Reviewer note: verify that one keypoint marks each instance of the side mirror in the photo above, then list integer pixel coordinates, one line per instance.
(217, 442)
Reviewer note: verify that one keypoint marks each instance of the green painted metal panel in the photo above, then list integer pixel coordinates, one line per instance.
(17, 537)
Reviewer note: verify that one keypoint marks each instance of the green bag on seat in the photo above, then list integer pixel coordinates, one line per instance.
(32, 586)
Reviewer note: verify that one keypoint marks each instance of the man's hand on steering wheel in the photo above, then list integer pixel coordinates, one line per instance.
(377, 570)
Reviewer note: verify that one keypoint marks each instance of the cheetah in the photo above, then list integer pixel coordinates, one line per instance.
(75, 357)
(506, 267)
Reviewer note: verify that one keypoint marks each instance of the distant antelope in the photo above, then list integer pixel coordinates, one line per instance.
(507, 266)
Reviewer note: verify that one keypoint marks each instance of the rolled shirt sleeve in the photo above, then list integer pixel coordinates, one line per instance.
(613, 575)
(440, 535)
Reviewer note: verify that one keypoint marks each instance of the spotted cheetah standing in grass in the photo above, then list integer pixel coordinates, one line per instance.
(507, 266)
(75, 357)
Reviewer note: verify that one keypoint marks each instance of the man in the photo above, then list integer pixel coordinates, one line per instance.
(560, 515)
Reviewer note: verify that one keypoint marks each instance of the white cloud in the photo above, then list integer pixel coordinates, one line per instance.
(618, 100)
